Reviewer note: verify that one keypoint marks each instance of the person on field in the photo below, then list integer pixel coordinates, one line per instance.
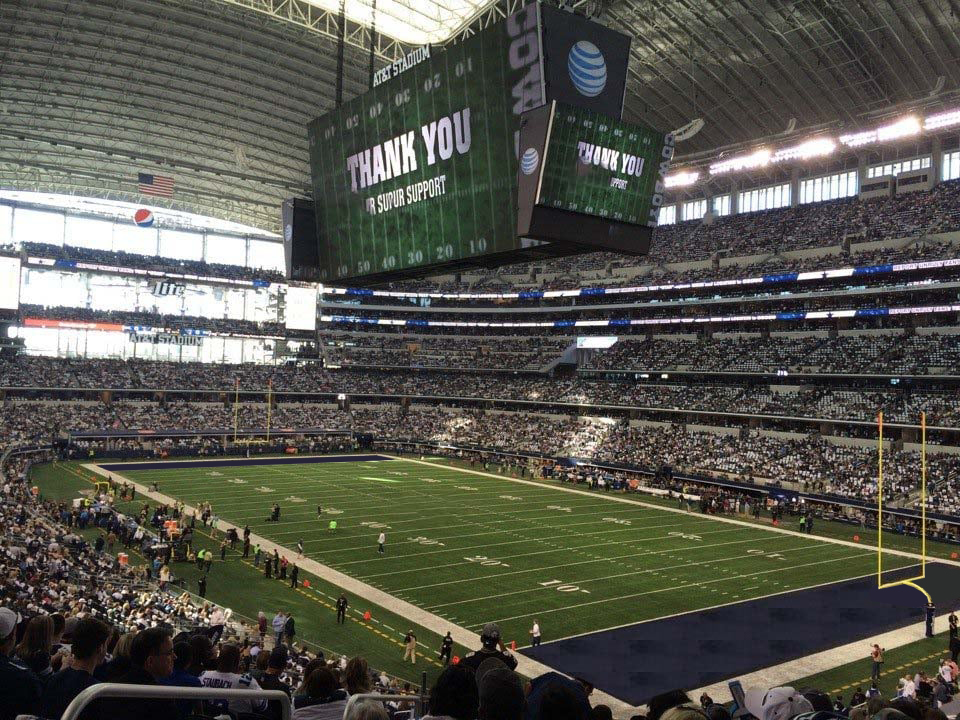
(410, 647)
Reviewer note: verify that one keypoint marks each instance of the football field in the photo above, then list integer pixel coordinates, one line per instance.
(475, 547)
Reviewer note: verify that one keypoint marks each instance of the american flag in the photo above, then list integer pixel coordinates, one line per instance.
(159, 185)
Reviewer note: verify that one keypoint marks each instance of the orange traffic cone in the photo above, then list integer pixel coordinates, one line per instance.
(367, 615)
(306, 583)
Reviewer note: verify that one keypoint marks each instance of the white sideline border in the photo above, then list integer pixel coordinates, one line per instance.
(783, 672)
(526, 666)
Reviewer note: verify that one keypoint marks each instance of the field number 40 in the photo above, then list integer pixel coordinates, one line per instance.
(563, 587)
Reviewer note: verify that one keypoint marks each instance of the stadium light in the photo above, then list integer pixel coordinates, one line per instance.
(681, 179)
(756, 159)
(942, 120)
(817, 147)
(904, 127)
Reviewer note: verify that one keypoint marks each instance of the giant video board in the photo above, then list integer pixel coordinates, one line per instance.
(421, 170)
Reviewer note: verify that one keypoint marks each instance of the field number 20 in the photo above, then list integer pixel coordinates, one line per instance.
(485, 561)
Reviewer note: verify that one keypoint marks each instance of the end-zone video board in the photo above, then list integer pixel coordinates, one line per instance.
(576, 163)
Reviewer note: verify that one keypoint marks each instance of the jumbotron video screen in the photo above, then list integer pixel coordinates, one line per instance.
(600, 166)
(421, 169)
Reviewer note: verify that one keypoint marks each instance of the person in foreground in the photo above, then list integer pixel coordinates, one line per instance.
(19, 687)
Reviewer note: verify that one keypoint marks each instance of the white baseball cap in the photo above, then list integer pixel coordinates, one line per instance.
(8, 622)
(779, 703)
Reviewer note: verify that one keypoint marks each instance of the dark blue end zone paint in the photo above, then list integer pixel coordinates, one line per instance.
(239, 462)
(701, 648)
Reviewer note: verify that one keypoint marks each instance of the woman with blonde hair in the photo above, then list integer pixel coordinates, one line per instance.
(119, 663)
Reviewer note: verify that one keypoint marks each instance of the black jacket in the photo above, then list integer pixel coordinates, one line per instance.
(19, 688)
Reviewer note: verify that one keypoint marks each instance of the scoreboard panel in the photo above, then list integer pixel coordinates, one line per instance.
(600, 166)
(421, 170)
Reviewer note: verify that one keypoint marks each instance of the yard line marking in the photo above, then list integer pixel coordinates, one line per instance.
(553, 550)
(619, 575)
(515, 517)
(518, 540)
(717, 518)
(670, 589)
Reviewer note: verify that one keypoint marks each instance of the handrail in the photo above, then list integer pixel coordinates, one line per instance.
(417, 700)
(160, 692)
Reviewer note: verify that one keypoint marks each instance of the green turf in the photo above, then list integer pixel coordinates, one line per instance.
(238, 585)
(473, 548)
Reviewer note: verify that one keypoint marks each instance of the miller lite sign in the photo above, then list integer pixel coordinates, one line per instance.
(165, 288)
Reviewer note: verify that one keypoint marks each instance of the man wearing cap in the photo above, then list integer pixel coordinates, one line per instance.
(492, 647)
(19, 686)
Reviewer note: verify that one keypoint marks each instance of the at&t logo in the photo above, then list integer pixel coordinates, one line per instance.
(529, 161)
(587, 69)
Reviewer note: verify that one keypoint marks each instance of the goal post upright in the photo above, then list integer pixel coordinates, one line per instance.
(236, 408)
(923, 507)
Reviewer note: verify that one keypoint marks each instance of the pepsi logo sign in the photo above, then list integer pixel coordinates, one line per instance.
(143, 217)
(587, 68)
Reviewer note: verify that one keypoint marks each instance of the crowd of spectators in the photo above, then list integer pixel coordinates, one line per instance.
(811, 461)
(883, 353)
(147, 262)
(72, 615)
(901, 405)
(145, 319)
(640, 274)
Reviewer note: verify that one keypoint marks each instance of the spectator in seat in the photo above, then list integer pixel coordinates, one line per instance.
(119, 664)
(151, 660)
(501, 695)
(228, 677)
(368, 710)
(454, 696)
(324, 700)
(276, 664)
(89, 648)
(19, 686)
(181, 676)
(34, 649)
(357, 676)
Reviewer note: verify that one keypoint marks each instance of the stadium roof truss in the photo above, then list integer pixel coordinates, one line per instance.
(217, 93)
